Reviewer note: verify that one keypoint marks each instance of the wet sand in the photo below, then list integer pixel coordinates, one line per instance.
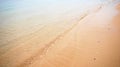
(91, 41)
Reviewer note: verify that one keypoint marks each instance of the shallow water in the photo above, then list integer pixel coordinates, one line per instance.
(22, 17)
(16, 10)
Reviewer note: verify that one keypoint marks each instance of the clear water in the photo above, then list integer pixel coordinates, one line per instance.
(21, 9)
(20, 17)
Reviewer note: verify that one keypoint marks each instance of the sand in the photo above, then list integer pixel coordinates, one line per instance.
(93, 41)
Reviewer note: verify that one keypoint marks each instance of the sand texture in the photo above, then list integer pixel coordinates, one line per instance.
(92, 40)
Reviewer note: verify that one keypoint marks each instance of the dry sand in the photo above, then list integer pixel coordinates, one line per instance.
(94, 41)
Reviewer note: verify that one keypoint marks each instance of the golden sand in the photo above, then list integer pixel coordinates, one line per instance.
(91, 42)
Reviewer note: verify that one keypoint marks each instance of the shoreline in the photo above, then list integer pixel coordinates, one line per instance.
(91, 42)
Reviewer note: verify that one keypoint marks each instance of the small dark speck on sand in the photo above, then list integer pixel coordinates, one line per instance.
(98, 41)
(94, 59)
(109, 28)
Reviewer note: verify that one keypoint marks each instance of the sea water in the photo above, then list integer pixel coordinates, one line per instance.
(20, 17)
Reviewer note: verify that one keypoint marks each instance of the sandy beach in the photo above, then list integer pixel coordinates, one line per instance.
(89, 40)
